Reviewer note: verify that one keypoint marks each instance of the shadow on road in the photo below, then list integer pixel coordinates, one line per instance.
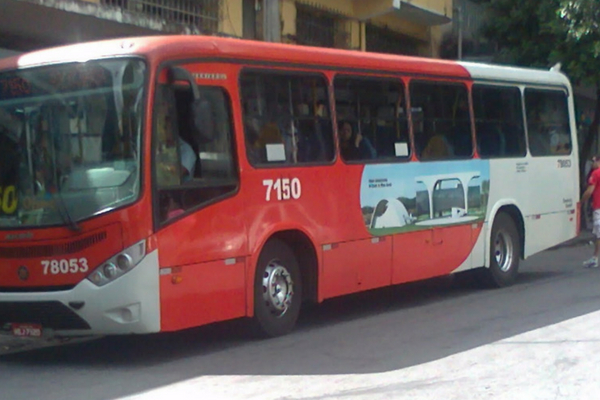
(383, 330)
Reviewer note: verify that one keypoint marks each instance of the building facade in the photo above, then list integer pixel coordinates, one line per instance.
(414, 27)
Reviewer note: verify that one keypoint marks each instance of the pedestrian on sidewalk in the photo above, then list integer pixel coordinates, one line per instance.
(593, 191)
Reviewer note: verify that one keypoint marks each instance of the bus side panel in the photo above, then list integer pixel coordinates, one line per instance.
(205, 249)
(434, 210)
(548, 230)
(434, 252)
(553, 199)
(328, 209)
(215, 232)
(199, 294)
(353, 266)
(543, 189)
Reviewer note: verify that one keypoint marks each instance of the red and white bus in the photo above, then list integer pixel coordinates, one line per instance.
(156, 184)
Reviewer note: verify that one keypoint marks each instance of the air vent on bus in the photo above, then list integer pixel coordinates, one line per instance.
(52, 250)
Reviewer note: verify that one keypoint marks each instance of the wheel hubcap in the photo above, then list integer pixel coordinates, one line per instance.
(503, 251)
(277, 288)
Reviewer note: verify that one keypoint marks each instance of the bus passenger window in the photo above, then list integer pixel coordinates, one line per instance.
(286, 118)
(548, 128)
(441, 120)
(373, 119)
(498, 121)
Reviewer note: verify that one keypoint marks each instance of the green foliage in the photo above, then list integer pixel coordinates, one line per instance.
(540, 33)
(581, 47)
(521, 31)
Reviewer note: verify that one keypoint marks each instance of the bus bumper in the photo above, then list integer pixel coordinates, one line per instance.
(128, 305)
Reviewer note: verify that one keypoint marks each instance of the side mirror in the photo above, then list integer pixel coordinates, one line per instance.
(182, 74)
(203, 119)
(207, 109)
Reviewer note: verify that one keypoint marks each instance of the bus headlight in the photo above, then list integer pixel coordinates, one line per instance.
(110, 270)
(124, 261)
(118, 265)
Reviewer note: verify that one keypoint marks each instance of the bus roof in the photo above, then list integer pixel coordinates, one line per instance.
(489, 72)
(160, 48)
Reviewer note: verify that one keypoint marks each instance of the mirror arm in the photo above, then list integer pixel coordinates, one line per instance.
(181, 74)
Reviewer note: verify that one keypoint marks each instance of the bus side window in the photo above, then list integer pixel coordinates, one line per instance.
(372, 123)
(548, 126)
(498, 121)
(286, 118)
(441, 120)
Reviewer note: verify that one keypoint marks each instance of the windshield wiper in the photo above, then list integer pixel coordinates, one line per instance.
(66, 217)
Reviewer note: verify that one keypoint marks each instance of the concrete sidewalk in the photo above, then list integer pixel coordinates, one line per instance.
(559, 361)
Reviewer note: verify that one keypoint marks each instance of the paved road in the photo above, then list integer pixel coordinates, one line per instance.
(539, 339)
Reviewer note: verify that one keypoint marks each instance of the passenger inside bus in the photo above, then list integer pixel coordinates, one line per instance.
(354, 146)
(267, 137)
(170, 158)
(437, 147)
(430, 138)
(461, 128)
(187, 159)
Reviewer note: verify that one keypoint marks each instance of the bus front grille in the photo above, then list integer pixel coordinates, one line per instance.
(52, 250)
(49, 314)
(35, 289)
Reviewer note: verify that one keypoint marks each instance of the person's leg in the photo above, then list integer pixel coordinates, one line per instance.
(593, 262)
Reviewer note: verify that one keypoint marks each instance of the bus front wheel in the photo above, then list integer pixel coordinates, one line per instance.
(277, 290)
(505, 252)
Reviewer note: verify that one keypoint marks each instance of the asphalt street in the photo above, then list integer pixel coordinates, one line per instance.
(438, 339)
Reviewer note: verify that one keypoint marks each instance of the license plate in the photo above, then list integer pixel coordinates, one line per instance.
(26, 330)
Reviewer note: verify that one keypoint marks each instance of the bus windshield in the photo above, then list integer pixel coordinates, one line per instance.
(70, 140)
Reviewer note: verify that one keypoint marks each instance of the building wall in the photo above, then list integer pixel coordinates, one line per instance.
(102, 19)
(438, 32)
(379, 14)
(231, 18)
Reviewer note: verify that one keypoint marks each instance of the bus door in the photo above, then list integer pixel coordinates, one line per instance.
(551, 170)
(201, 233)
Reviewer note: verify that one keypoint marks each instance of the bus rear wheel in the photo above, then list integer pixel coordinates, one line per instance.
(277, 290)
(505, 252)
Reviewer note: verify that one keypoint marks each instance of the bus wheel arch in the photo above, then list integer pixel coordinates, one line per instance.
(505, 249)
(515, 214)
(306, 254)
(285, 275)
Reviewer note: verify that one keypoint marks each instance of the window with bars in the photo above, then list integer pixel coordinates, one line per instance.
(315, 27)
(384, 40)
(203, 14)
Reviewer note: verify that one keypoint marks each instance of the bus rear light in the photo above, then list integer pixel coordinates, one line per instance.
(118, 265)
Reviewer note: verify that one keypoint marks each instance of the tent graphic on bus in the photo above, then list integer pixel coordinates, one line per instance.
(408, 197)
